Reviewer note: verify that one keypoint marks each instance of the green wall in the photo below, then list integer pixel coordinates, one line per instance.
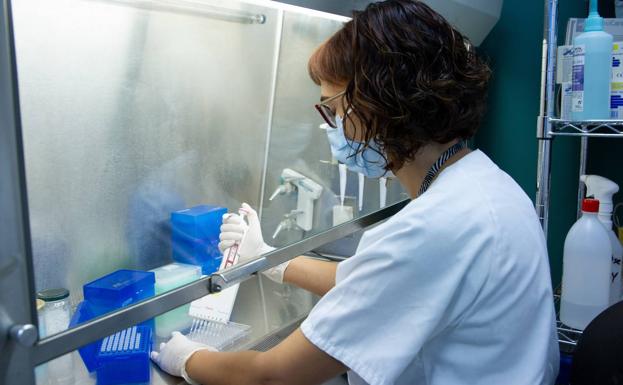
(605, 159)
(508, 134)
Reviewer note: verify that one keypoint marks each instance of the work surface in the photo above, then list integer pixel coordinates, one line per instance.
(157, 377)
(273, 311)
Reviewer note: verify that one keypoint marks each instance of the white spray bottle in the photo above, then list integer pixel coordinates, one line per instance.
(603, 189)
(585, 269)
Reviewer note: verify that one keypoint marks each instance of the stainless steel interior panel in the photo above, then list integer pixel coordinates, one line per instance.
(296, 141)
(271, 307)
(129, 114)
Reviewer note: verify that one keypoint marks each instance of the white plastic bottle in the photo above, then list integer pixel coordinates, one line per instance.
(586, 269)
(603, 189)
(592, 69)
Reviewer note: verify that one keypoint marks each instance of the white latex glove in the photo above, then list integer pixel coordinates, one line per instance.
(233, 231)
(174, 354)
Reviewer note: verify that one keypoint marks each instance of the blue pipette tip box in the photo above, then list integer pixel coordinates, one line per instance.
(93, 356)
(88, 353)
(197, 223)
(118, 289)
(195, 236)
(201, 253)
(124, 357)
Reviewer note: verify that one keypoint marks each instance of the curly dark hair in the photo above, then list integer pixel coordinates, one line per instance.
(410, 77)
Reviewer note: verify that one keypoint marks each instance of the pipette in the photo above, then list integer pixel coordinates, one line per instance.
(218, 335)
(383, 192)
(342, 168)
(361, 183)
(342, 213)
(233, 251)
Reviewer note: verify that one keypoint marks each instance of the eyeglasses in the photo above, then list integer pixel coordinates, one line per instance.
(327, 113)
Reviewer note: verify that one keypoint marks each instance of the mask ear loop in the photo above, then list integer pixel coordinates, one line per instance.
(362, 144)
(353, 144)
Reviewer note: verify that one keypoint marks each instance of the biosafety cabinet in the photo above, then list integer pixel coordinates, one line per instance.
(116, 114)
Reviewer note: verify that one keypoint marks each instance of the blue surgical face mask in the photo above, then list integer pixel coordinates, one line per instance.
(369, 161)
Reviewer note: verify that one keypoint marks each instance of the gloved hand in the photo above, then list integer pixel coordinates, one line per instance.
(233, 231)
(174, 354)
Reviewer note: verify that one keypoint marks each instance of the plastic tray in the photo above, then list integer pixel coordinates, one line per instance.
(221, 336)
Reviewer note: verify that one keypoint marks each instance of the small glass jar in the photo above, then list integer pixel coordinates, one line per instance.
(40, 306)
(54, 318)
(56, 312)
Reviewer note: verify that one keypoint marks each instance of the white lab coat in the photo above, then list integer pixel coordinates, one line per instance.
(453, 289)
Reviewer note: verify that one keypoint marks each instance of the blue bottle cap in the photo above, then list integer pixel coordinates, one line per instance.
(594, 23)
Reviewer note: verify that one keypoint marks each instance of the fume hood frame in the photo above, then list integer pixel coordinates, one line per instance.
(21, 347)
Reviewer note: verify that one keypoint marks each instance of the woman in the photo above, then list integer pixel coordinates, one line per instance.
(453, 289)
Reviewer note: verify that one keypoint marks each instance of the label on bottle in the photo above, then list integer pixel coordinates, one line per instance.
(616, 268)
(615, 280)
(577, 82)
(564, 64)
(616, 83)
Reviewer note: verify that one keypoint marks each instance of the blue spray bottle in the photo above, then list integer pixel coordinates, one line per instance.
(592, 69)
